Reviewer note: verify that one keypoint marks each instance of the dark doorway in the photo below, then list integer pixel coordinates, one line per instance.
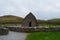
(29, 24)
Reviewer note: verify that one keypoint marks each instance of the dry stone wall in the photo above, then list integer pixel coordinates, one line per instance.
(32, 29)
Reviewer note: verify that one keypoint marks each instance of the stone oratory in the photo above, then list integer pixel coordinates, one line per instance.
(29, 21)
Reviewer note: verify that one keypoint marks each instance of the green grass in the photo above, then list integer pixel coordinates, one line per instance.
(6, 24)
(44, 36)
(49, 25)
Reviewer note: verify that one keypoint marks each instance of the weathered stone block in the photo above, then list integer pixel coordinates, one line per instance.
(4, 31)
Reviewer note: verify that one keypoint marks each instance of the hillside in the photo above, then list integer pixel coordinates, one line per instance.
(10, 18)
(54, 20)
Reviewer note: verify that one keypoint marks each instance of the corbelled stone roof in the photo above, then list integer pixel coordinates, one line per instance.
(30, 19)
(30, 15)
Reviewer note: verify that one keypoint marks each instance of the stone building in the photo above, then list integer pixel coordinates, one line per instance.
(29, 21)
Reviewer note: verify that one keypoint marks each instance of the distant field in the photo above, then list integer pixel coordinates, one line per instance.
(44, 36)
(5, 24)
(43, 25)
(49, 25)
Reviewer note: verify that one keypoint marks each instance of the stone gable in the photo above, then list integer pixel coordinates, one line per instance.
(29, 21)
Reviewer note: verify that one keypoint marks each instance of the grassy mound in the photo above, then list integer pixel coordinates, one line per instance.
(10, 18)
(44, 36)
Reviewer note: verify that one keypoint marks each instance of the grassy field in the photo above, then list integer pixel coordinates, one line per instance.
(44, 36)
(5, 24)
(49, 25)
(43, 25)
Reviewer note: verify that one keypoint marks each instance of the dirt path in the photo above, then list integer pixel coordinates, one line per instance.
(14, 36)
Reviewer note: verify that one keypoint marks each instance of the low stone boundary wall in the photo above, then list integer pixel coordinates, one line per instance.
(34, 29)
(4, 31)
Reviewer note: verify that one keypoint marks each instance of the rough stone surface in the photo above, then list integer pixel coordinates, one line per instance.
(34, 29)
(29, 21)
(3, 31)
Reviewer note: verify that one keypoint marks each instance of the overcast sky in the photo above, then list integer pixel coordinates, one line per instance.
(42, 9)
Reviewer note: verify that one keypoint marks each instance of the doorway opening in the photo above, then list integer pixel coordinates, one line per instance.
(30, 24)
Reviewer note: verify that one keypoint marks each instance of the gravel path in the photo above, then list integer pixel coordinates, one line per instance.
(14, 36)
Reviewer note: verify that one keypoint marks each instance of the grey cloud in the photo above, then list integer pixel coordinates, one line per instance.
(42, 9)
